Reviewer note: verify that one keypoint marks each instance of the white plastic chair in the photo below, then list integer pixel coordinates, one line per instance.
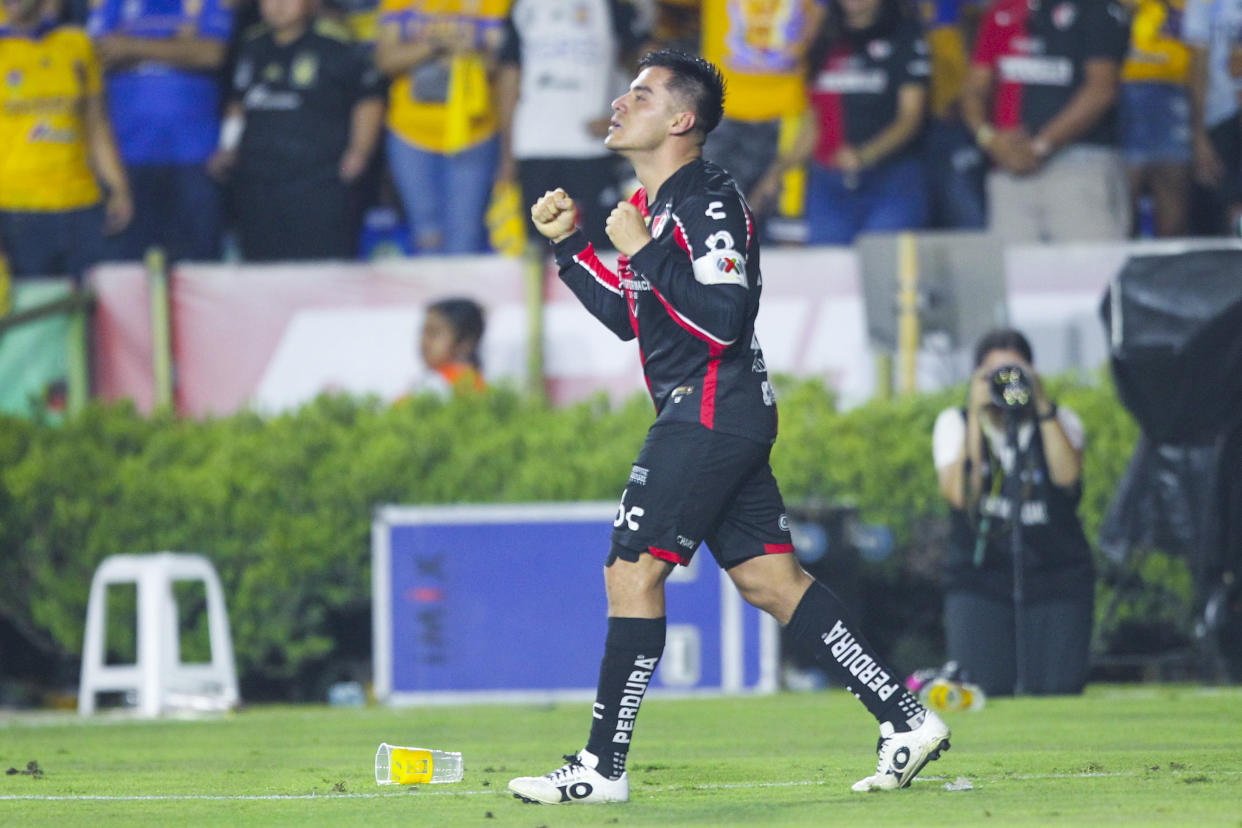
(159, 678)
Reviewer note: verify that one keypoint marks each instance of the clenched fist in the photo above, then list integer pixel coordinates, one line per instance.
(554, 214)
(626, 229)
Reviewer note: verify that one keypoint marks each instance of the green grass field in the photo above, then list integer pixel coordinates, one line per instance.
(1142, 755)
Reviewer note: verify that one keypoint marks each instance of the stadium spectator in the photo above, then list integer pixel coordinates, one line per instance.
(162, 60)
(677, 24)
(449, 346)
(1155, 117)
(687, 287)
(955, 166)
(1211, 28)
(302, 124)
(559, 72)
(761, 50)
(1040, 98)
(442, 143)
(1005, 454)
(868, 93)
(54, 140)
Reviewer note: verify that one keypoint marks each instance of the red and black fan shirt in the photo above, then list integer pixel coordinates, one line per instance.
(1038, 50)
(854, 89)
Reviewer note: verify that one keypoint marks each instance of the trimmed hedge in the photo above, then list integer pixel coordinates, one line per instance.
(282, 505)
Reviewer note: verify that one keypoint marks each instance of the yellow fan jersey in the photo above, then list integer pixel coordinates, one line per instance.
(756, 44)
(45, 78)
(444, 105)
(1157, 53)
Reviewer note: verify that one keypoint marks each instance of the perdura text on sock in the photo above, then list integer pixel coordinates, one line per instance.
(849, 654)
(635, 687)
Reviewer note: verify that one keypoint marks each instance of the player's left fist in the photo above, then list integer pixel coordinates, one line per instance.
(626, 229)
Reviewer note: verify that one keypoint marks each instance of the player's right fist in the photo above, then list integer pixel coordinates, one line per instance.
(554, 214)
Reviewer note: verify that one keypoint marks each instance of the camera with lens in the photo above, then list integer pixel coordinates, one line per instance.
(1011, 389)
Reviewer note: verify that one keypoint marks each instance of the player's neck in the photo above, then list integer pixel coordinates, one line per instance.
(656, 167)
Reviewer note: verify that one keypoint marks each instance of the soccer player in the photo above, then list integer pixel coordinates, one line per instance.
(687, 287)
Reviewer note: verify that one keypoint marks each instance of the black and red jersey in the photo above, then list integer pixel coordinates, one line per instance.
(854, 86)
(1038, 50)
(690, 296)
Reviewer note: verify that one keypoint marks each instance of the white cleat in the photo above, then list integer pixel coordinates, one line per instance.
(574, 783)
(903, 755)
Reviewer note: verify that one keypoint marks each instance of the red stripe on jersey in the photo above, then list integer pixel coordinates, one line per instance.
(589, 260)
(707, 405)
(996, 41)
(666, 555)
(830, 111)
(777, 548)
(686, 324)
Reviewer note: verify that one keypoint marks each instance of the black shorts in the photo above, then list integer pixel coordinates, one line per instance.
(691, 484)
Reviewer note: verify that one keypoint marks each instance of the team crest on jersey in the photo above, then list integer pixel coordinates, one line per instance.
(1064, 15)
(658, 223)
(304, 70)
(13, 79)
(879, 49)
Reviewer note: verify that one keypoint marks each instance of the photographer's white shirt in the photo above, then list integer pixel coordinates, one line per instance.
(949, 435)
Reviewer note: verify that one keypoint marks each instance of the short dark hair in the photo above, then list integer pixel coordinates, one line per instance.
(696, 79)
(1003, 339)
(465, 317)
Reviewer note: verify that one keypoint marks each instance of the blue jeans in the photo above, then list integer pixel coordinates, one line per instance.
(53, 243)
(176, 207)
(445, 196)
(889, 197)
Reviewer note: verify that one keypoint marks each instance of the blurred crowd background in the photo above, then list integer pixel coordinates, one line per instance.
(262, 130)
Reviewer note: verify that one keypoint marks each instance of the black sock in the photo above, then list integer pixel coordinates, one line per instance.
(823, 628)
(631, 652)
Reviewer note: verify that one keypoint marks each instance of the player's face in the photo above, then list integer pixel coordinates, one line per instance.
(643, 116)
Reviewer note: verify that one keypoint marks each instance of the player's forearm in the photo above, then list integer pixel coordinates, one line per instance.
(719, 310)
(597, 288)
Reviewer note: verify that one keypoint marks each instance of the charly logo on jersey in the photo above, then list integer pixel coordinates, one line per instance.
(659, 223)
(1064, 15)
(13, 79)
(879, 49)
(304, 70)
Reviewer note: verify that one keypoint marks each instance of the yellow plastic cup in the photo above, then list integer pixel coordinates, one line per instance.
(396, 765)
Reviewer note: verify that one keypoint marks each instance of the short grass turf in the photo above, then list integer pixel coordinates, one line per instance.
(1135, 755)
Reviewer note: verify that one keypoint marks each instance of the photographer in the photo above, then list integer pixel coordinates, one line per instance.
(1014, 451)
